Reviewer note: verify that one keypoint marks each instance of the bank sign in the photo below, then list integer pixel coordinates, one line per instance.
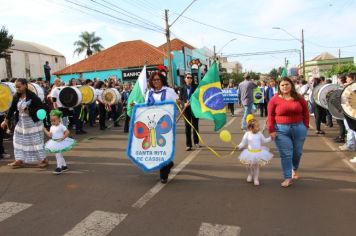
(133, 74)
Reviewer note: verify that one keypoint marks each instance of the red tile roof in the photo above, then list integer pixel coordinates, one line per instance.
(122, 55)
(176, 45)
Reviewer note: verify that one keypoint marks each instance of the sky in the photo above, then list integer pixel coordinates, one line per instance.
(243, 26)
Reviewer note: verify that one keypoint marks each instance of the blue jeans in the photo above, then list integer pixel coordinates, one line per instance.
(350, 137)
(289, 141)
(247, 110)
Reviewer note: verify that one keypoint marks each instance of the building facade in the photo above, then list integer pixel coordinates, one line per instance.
(27, 60)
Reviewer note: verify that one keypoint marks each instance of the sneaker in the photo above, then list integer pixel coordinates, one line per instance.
(57, 171)
(249, 179)
(345, 148)
(64, 168)
(353, 160)
(188, 148)
(197, 145)
(256, 182)
(164, 181)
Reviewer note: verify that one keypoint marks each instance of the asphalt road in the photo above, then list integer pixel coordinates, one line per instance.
(105, 194)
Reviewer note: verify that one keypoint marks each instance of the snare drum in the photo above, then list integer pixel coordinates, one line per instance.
(36, 89)
(324, 94)
(70, 96)
(348, 100)
(7, 92)
(111, 96)
(88, 94)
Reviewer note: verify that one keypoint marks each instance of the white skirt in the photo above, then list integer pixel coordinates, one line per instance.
(53, 146)
(249, 157)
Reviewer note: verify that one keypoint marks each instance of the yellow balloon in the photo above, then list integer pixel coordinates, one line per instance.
(249, 117)
(225, 136)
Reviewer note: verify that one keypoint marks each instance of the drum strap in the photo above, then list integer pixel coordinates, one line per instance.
(81, 114)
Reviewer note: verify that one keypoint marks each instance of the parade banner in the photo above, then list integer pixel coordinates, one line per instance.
(152, 135)
(230, 95)
(257, 95)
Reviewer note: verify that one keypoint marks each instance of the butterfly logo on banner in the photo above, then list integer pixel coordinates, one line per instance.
(152, 132)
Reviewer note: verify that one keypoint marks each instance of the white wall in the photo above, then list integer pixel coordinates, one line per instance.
(36, 62)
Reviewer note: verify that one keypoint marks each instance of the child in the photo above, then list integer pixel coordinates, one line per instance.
(59, 141)
(255, 155)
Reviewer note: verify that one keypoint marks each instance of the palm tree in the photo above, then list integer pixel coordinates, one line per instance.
(88, 42)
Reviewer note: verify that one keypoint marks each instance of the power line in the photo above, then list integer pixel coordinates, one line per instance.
(114, 17)
(261, 53)
(323, 46)
(136, 4)
(232, 32)
(130, 15)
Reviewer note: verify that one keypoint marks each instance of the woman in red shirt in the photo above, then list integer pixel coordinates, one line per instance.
(288, 121)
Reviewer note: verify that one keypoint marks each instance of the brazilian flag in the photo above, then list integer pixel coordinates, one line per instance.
(207, 102)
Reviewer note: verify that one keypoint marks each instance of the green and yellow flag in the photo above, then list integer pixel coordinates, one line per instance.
(207, 101)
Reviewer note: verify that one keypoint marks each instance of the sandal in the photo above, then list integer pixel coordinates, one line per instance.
(43, 163)
(16, 164)
(295, 175)
(286, 183)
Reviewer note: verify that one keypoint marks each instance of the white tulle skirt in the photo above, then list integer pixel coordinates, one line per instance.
(252, 157)
(54, 146)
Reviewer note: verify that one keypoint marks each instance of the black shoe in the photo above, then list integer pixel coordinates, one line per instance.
(164, 181)
(57, 171)
(64, 168)
(339, 140)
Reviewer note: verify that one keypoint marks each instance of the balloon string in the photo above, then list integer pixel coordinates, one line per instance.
(202, 141)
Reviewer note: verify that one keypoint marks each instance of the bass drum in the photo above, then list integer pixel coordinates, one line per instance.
(7, 92)
(111, 96)
(314, 96)
(36, 89)
(70, 97)
(348, 100)
(88, 94)
(324, 93)
(334, 104)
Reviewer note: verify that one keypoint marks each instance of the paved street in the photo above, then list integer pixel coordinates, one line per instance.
(105, 194)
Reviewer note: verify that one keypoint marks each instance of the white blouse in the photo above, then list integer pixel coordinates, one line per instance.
(170, 95)
(253, 141)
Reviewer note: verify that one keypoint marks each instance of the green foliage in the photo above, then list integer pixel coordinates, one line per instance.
(343, 69)
(5, 41)
(89, 43)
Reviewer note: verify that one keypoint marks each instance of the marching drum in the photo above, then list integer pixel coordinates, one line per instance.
(314, 94)
(7, 91)
(334, 104)
(348, 100)
(36, 89)
(324, 93)
(88, 94)
(70, 96)
(111, 96)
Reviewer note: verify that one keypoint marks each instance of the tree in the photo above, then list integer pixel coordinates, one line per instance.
(339, 70)
(274, 73)
(5, 42)
(89, 43)
(5, 45)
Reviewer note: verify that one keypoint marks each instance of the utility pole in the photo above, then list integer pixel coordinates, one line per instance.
(303, 55)
(214, 53)
(168, 49)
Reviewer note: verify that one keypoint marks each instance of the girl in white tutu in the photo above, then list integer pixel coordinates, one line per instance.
(255, 155)
(59, 141)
